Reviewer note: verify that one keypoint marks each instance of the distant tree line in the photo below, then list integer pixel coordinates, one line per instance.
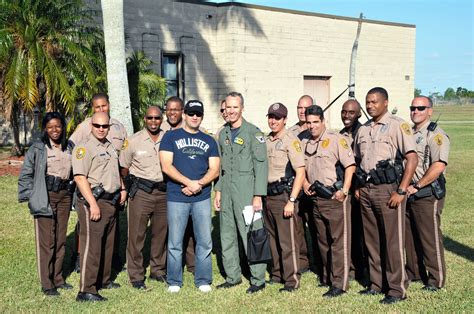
(460, 94)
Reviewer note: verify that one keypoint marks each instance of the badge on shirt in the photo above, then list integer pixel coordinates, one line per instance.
(438, 139)
(343, 143)
(80, 153)
(419, 139)
(405, 128)
(384, 128)
(278, 145)
(297, 146)
(325, 143)
(125, 144)
(260, 137)
(239, 141)
(227, 141)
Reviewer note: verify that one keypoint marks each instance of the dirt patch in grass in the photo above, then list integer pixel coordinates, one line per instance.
(11, 166)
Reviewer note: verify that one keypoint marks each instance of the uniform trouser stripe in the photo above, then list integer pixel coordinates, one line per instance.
(293, 250)
(38, 257)
(86, 249)
(400, 247)
(345, 245)
(437, 241)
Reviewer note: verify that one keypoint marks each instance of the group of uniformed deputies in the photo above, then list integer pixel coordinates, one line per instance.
(368, 198)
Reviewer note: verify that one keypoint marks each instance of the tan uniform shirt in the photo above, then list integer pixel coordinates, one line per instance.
(438, 143)
(322, 155)
(117, 133)
(296, 129)
(98, 162)
(141, 155)
(166, 126)
(351, 133)
(381, 141)
(59, 162)
(280, 150)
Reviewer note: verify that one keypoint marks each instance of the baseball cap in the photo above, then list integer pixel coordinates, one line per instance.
(278, 110)
(194, 106)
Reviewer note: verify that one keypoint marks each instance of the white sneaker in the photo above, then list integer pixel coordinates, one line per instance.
(205, 288)
(174, 289)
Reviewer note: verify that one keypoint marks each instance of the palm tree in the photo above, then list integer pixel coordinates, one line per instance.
(146, 87)
(114, 35)
(50, 56)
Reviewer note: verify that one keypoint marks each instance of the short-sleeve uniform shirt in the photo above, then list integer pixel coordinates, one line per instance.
(381, 140)
(98, 162)
(191, 153)
(58, 162)
(141, 155)
(281, 150)
(323, 154)
(438, 148)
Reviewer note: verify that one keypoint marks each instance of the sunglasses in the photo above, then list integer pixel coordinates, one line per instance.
(222, 110)
(192, 114)
(98, 126)
(419, 108)
(153, 118)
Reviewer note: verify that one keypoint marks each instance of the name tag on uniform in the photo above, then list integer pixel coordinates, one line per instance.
(239, 141)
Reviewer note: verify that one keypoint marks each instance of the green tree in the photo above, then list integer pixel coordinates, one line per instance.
(449, 94)
(417, 92)
(146, 87)
(50, 57)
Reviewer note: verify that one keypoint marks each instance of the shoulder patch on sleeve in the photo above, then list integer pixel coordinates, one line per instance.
(260, 137)
(125, 144)
(438, 139)
(297, 146)
(325, 143)
(405, 128)
(80, 153)
(343, 143)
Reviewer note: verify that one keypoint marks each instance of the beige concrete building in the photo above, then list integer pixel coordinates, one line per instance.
(269, 55)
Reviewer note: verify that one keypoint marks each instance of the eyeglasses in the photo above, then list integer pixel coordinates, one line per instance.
(192, 114)
(419, 108)
(98, 126)
(153, 118)
(222, 110)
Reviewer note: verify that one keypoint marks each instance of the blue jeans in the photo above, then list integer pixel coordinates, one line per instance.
(178, 215)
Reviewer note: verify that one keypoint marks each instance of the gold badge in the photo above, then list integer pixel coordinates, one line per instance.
(125, 144)
(325, 143)
(239, 141)
(343, 143)
(296, 145)
(438, 139)
(80, 153)
(405, 128)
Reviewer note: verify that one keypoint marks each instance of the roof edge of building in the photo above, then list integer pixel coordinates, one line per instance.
(267, 8)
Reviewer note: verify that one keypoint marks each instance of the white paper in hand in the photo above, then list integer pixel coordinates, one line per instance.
(248, 214)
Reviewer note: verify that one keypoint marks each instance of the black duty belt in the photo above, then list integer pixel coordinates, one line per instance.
(109, 196)
(56, 184)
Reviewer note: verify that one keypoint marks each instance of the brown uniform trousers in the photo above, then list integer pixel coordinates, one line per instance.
(384, 232)
(50, 232)
(142, 208)
(424, 241)
(333, 227)
(97, 244)
(283, 241)
(359, 263)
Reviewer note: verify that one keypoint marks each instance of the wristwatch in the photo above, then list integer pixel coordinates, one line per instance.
(401, 192)
(345, 192)
(417, 186)
(292, 199)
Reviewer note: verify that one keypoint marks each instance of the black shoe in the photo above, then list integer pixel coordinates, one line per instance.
(64, 286)
(287, 289)
(51, 292)
(430, 288)
(227, 285)
(390, 299)
(111, 285)
(369, 291)
(254, 288)
(140, 285)
(333, 292)
(273, 281)
(86, 296)
(159, 278)
(77, 264)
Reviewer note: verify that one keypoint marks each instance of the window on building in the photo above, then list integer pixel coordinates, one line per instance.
(171, 71)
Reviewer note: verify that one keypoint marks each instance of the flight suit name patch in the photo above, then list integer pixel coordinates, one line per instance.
(239, 141)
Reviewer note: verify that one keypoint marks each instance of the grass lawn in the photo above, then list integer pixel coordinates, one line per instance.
(20, 289)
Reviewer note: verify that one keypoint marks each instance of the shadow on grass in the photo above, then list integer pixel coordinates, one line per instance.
(459, 249)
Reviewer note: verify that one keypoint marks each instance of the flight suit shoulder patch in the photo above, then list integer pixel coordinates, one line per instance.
(125, 144)
(297, 146)
(405, 128)
(438, 139)
(325, 143)
(260, 137)
(80, 153)
(343, 143)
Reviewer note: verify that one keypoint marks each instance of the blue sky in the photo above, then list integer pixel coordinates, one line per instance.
(444, 33)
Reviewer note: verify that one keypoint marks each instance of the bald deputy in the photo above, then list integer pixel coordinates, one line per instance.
(330, 165)
(140, 165)
(381, 146)
(96, 172)
(285, 179)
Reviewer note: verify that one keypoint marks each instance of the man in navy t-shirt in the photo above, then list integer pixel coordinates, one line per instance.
(190, 159)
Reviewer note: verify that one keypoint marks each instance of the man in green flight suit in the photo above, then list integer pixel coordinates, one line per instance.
(243, 182)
